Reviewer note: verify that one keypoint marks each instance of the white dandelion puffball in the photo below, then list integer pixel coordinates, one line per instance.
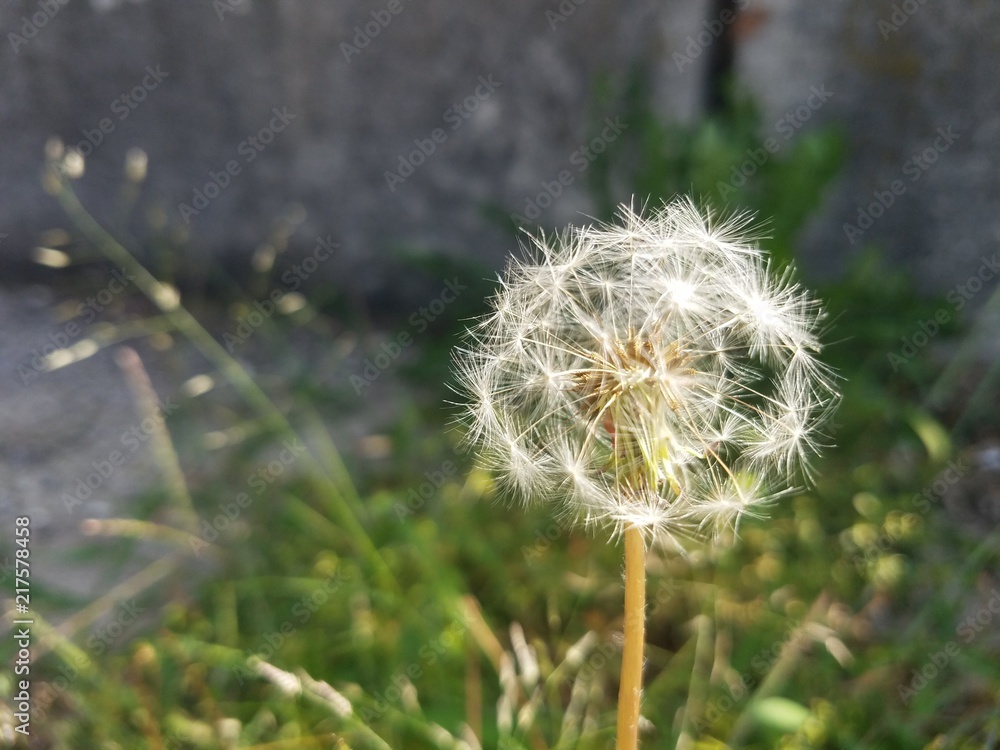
(656, 375)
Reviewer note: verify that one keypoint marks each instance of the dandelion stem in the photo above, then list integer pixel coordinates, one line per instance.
(630, 692)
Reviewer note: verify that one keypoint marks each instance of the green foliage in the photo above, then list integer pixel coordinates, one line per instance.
(730, 160)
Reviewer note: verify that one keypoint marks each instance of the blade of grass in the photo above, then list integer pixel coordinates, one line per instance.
(138, 529)
(163, 446)
(697, 690)
(59, 644)
(127, 589)
(473, 689)
(781, 671)
(214, 352)
(102, 336)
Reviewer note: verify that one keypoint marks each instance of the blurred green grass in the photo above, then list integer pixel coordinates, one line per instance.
(446, 619)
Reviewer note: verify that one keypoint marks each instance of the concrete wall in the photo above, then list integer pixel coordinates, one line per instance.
(364, 86)
(361, 87)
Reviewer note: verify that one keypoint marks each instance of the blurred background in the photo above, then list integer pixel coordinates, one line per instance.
(238, 241)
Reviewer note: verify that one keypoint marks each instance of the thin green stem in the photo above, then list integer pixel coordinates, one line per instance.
(698, 686)
(782, 671)
(216, 354)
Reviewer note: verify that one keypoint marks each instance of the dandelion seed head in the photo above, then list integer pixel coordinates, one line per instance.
(657, 374)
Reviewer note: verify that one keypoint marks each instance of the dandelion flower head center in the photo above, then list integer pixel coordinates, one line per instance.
(628, 388)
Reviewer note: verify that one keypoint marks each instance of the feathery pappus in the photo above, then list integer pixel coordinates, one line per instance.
(655, 373)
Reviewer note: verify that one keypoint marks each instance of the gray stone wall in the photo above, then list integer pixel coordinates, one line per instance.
(367, 89)
(914, 91)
